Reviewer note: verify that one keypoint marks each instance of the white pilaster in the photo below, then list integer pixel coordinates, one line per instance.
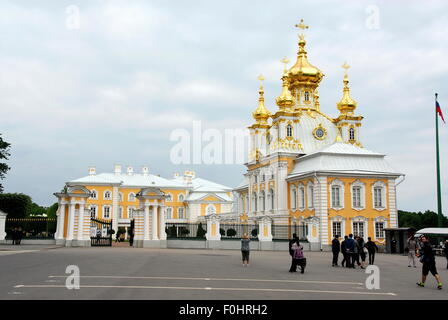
(162, 223)
(146, 223)
(60, 221)
(115, 196)
(2, 225)
(155, 221)
(71, 221)
(81, 221)
(392, 199)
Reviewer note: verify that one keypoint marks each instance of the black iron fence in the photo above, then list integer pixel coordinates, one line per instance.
(186, 230)
(236, 231)
(30, 228)
(284, 232)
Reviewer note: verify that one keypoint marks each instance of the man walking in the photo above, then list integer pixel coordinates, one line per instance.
(344, 261)
(412, 247)
(372, 248)
(429, 263)
(336, 248)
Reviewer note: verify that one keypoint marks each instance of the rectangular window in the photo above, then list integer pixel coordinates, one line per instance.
(120, 212)
(106, 212)
(379, 229)
(356, 197)
(311, 198)
(335, 196)
(337, 228)
(130, 213)
(358, 229)
(181, 214)
(294, 198)
(93, 211)
(301, 198)
(378, 197)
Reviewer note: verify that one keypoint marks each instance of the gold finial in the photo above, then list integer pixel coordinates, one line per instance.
(301, 25)
(261, 78)
(285, 61)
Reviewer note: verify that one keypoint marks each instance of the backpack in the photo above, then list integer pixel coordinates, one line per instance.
(298, 253)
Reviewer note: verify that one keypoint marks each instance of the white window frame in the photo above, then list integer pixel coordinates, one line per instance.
(340, 184)
(310, 197)
(301, 197)
(272, 193)
(104, 212)
(131, 212)
(120, 197)
(382, 220)
(120, 212)
(93, 191)
(365, 225)
(362, 200)
(351, 134)
(180, 197)
(382, 185)
(169, 212)
(179, 210)
(95, 209)
(341, 220)
(293, 198)
(104, 195)
(131, 197)
(169, 197)
(333, 224)
(263, 200)
(289, 131)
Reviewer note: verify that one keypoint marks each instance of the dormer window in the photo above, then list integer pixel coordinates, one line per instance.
(289, 130)
(307, 96)
(351, 134)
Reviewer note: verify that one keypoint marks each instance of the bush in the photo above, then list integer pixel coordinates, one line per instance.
(231, 232)
(184, 231)
(254, 233)
(222, 232)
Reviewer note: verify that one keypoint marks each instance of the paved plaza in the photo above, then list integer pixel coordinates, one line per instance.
(38, 272)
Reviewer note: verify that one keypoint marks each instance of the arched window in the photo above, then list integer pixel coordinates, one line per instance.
(289, 130)
(168, 197)
(311, 196)
(351, 133)
(301, 197)
(263, 200)
(254, 202)
(120, 197)
(210, 209)
(107, 195)
(181, 197)
(307, 96)
(93, 194)
(131, 197)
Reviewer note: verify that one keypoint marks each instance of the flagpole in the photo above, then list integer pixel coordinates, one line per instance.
(439, 192)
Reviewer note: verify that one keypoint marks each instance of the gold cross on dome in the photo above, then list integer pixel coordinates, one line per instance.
(302, 25)
(261, 78)
(346, 67)
(285, 61)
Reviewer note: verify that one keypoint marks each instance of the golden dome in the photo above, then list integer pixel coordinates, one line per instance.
(285, 100)
(261, 114)
(303, 71)
(346, 105)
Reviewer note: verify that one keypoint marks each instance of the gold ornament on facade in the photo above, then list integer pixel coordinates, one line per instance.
(347, 105)
(320, 132)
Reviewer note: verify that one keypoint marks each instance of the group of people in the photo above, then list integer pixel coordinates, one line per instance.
(16, 235)
(354, 251)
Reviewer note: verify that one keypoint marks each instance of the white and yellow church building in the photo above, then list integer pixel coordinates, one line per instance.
(305, 168)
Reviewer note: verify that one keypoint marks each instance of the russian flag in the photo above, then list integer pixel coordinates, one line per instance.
(439, 111)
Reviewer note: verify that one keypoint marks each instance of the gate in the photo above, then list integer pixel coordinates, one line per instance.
(100, 233)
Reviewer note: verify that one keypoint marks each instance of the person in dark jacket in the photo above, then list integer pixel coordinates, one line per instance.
(344, 261)
(429, 262)
(294, 239)
(335, 248)
(360, 244)
(372, 248)
(350, 249)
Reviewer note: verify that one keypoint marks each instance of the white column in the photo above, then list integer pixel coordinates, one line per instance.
(213, 227)
(81, 221)
(392, 202)
(155, 221)
(115, 208)
(71, 221)
(162, 223)
(60, 221)
(146, 223)
(282, 189)
(2, 225)
(322, 213)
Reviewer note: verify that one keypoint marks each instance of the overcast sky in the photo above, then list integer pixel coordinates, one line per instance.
(111, 87)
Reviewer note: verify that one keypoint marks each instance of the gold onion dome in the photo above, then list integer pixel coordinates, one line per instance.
(347, 105)
(285, 100)
(261, 114)
(303, 71)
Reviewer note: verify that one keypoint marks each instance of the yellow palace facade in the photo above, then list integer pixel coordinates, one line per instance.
(309, 169)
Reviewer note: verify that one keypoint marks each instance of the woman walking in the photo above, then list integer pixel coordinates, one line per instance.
(245, 249)
(298, 257)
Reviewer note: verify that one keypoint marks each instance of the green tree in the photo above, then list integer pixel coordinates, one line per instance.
(16, 205)
(36, 210)
(201, 231)
(4, 154)
(419, 220)
(51, 210)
